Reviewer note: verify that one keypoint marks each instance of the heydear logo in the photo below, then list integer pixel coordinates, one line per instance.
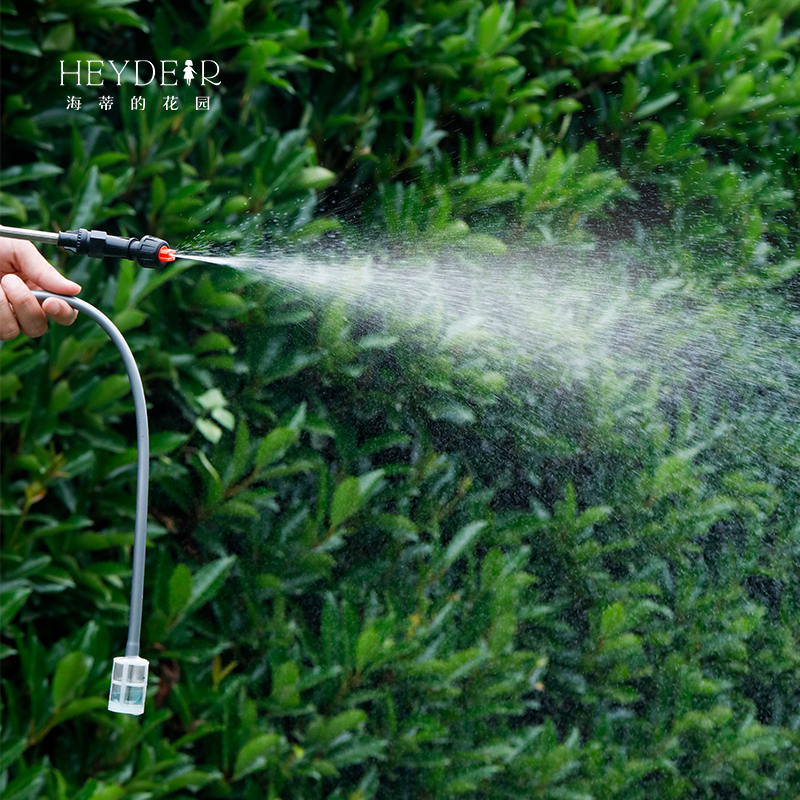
(142, 69)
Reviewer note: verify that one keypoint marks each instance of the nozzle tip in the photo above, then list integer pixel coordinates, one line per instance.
(166, 254)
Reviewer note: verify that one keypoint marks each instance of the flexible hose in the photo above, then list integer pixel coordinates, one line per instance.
(142, 462)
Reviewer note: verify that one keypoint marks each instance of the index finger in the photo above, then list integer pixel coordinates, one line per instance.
(30, 263)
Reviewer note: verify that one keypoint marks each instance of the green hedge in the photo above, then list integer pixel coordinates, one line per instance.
(385, 560)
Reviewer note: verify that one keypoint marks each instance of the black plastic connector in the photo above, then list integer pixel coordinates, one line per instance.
(149, 251)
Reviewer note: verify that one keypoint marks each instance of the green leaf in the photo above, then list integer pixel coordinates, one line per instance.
(240, 458)
(224, 417)
(6, 651)
(212, 399)
(351, 494)
(461, 541)
(107, 792)
(274, 445)
(107, 391)
(89, 202)
(70, 673)
(673, 476)
(18, 39)
(158, 193)
(129, 318)
(647, 49)
(613, 620)
(61, 37)
(166, 442)
(237, 204)
(9, 753)
(489, 29)
(336, 726)
(224, 17)
(654, 106)
(368, 484)
(451, 411)
(368, 648)
(192, 779)
(28, 172)
(253, 755)
(11, 601)
(9, 386)
(502, 632)
(483, 243)
(212, 341)
(180, 589)
(207, 581)
(593, 516)
(346, 501)
(28, 784)
(77, 707)
(209, 430)
(285, 690)
(312, 178)
(313, 230)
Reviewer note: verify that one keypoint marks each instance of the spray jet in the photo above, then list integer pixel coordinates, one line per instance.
(149, 251)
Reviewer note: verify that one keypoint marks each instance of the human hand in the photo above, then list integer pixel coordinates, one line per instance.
(22, 268)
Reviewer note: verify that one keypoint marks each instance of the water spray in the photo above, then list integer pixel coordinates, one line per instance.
(129, 674)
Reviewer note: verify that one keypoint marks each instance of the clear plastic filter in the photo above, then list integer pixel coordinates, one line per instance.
(128, 685)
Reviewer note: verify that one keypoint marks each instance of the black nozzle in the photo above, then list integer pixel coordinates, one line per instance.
(149, 251)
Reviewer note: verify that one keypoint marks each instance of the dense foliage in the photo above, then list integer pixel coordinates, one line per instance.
(378, 566)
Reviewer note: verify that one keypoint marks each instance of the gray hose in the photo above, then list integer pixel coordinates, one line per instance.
(142, 460)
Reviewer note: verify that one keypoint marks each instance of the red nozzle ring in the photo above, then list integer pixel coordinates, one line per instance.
(166, 254)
